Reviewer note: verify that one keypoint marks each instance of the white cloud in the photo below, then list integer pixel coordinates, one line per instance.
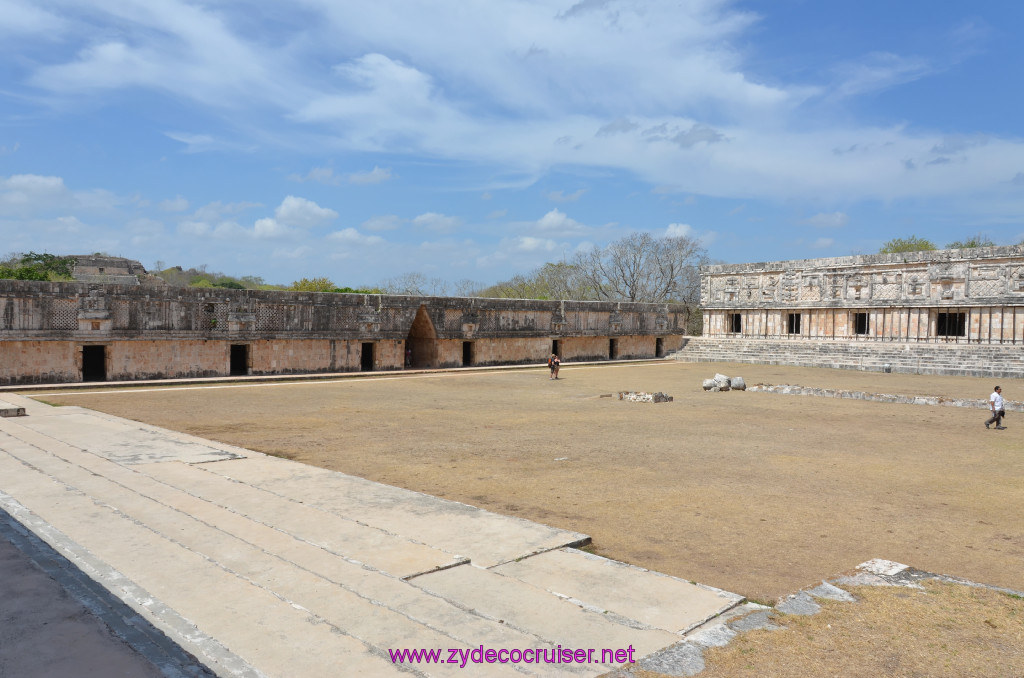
(580, 73)
(386, 222)
(558, 223)
(823, 243)
(679, 231)
(327, 176)
(320, 175)
(437, 222)
(29, 19)
(300, 252)
(351, 236)
(560, 196)
(26, 191)
(529, 244)
(217, 210)
(828, 220)
(268, 227)
(374, 176)
(178, 204)
(878, 71)
(302, 213)
(193, 227)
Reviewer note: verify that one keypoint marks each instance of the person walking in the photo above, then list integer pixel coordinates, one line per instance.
(553, 364)
(998, 407)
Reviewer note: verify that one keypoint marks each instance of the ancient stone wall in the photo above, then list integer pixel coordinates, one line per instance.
(971, 295)
(46, 328)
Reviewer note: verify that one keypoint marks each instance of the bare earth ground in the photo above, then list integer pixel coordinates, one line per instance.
(759, 494)
(945, 630)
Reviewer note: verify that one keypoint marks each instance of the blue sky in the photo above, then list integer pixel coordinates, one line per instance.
(477, 139)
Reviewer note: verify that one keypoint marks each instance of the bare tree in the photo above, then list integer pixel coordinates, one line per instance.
(415, 285)
(640, 267)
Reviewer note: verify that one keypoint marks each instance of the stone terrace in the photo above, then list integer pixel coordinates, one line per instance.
(926, 358)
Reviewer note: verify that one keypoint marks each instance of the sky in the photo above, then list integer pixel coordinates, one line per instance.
(477, 139)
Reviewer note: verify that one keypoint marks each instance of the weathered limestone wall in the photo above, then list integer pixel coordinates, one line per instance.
(988, 325)
(39, 362)
(972, 295)
(187, 332)
(162, 359)
(508, 351)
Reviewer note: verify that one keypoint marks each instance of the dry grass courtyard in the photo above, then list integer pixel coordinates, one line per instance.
(759, 494)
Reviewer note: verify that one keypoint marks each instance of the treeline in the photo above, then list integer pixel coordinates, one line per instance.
(35, 266)
(914, 243)
(199, 276)
(638, 267)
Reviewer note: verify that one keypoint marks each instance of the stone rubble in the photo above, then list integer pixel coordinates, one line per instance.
(788, 389)
(641, 397)
(724, 383)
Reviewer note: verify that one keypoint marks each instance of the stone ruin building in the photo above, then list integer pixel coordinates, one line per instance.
(939, 312)
(53, 332)
(98, 268)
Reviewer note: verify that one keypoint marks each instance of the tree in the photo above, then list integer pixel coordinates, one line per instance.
(979, 240)
(37, 266)
(415, 285)
(909, 244)
(640, 267)
(553, 280)
(312, 285)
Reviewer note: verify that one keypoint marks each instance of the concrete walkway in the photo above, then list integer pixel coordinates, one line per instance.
(260, 566)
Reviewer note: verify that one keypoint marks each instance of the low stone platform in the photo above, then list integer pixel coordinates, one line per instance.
(946, 358)
(260, 566)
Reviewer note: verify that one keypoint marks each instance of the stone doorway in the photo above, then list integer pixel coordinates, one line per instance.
(422, 340)
(94, 363)
(613, 349)
(239, 360)
(366, 359)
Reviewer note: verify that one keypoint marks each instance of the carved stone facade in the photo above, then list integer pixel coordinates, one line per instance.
(66, 332)
(962, 296)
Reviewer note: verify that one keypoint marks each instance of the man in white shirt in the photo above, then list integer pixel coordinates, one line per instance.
(995, 403)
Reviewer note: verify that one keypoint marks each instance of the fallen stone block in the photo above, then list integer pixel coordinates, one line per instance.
(737, 384)
(12, 412)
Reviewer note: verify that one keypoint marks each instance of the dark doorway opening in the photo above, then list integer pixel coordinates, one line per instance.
(239, 359)
(793, 323)
(659, 348)
(951, 325)
(735, 323)
(366, 360)
(467, 353)
(94, 363)
(556, 348)
(422, 341)
(860, 323)
(613, 349)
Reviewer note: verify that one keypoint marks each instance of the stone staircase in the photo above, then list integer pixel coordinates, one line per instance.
(976, 360)
(260, 566)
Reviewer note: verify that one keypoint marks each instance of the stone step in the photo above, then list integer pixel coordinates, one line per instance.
(217, 601)
(219, 500)
(524, 606)
(334, 533)
(651, 598)
(486, 538)
(332, 589)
